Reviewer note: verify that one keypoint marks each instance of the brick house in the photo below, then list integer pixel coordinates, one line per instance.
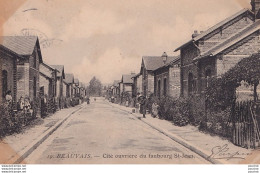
(81, 89)
(60, 78)
(167, 79)
(48, 78)
(116, 88)
(127, 83)
(149, 64)
(137, 86)
(69, 80)
(76, 88)
(216, 50)
(8, 73)
(27, 68)
(66, 89)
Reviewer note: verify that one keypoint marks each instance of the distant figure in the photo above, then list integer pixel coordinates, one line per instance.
(94, 99)
(27, 105)
(142, 101)
(8, 97)
(21, 103)
(88, 100)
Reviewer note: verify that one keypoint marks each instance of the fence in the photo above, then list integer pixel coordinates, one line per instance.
(245, 120)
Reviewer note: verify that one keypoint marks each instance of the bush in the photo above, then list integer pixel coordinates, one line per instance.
(218, 123)
(10, 121)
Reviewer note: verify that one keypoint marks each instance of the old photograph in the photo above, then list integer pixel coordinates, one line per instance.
(129, 82)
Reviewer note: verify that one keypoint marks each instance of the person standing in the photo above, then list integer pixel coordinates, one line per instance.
(8, 97)
(143, 101)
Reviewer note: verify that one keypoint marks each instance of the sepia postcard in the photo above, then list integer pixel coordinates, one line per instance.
(129, 82)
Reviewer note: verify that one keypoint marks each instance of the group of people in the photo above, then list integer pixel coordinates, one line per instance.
(23, 103)
(143, 102)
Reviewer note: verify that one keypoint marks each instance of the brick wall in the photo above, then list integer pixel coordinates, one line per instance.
(160, 75)
(44, 82)
(23, 80)
(225, 32)
(9, 65)
(174, 82)
(237, 52)
(188, 54)
(34, 74)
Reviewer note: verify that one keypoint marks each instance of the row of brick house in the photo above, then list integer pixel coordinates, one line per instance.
(27, 75)
(208, 54)
(159, 75)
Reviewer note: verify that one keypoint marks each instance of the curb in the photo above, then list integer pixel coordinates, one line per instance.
(31, 147)
(177, 139)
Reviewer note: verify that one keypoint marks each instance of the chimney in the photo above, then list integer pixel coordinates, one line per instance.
(256, 8)
(195, 34)
(164, 57)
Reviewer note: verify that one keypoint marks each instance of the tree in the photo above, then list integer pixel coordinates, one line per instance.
(95, 87)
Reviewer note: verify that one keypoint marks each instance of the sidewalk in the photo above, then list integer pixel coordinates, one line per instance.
(212, 148)
(16, 146)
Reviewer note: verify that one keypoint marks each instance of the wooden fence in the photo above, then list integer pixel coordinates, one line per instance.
(245, 121)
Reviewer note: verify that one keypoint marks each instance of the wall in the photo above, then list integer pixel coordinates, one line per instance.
(23, 80)
(174, 82)
(44, 82)
(9, 64)
(223, 33)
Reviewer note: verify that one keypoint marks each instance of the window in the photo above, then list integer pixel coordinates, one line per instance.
(191, 84)
(207, 76)
(159, 88)
(34, 87)
(164, 86)
(4, 83)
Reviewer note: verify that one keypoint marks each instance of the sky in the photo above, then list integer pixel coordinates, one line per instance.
(107, 38)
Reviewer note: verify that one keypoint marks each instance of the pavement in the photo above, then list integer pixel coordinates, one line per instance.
(212, 148)
(99, 128)
(14, 148)
(102, 134)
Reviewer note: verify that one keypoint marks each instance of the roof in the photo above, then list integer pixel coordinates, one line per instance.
(10, 51)
(69, 78)
(76, 81)
(153, 62)
(137, 75)
(116, 82)
(231, 40)
(22, 45)
(215, 27)
(127, 78)
(49, 67)
(60, 69)
(174, 61)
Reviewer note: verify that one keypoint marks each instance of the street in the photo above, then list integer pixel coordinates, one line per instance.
(101, 133)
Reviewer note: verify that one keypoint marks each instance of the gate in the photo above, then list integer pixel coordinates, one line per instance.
(245, 121)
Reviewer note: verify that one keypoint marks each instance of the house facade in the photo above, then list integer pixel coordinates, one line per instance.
(137, 85)
(167, 79)
(149, 64)
(116, 88)
(69, 79)
(127, 83)
(48, 78)
(76, 88)
(8, 73)
(27, 68)
(60, 78)
(215, 51)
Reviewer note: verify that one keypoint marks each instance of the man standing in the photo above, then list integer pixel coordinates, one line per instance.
(142, 100)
